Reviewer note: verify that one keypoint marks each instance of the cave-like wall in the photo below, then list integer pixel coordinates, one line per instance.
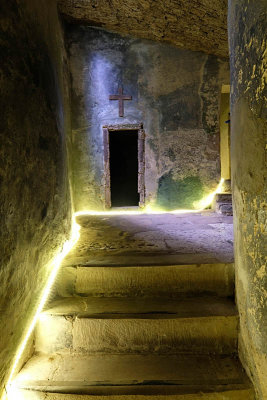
(200, 25)
(35, 201)
(176, 96)
(248, 48)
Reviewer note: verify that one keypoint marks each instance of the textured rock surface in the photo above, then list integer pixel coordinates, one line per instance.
(247, 26)
(202, 325)
(143, 281)
(175, 95)
(222, 203)
(151, 343)
(225, 395)
(34, 204)
(157, 239)
(134, 374)
(200, 25)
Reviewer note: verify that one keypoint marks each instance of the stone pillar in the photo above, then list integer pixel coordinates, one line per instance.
(247, 20)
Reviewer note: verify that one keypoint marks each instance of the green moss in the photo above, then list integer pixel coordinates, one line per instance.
(174, 194)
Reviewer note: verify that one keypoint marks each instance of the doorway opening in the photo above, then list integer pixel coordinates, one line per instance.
(124, 165)
(123, 161)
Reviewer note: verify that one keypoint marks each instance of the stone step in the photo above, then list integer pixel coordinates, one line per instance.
(223, 198)
(152, 239)
(148, 258)
(225, 209)
(126, 376)
(144, 281)
(151, 325)
(245, 394)
(223, 203)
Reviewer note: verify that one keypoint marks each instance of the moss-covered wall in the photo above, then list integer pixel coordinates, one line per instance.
(248, 48)
(176, 96)
(35, 202)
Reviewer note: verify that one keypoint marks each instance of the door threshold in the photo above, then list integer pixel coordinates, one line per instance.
(126, 208)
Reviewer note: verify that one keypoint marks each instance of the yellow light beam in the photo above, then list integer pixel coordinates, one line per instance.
(149, 209)
(204, 203)
(207, 201)
(55, 265)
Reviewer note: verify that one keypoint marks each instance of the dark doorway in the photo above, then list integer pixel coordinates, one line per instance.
(123, 158)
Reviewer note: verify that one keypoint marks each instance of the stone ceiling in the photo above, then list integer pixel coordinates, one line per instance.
(193, 24)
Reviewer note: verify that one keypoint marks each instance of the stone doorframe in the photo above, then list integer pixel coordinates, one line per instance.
(141, 160)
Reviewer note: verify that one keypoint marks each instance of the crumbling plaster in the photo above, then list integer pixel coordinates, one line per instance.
(35, 199)
(176, 96)
(248, 59)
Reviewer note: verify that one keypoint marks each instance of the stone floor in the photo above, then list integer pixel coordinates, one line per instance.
(153, 239)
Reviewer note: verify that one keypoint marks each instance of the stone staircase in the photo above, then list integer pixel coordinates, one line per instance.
(223, 203)
(137, 332)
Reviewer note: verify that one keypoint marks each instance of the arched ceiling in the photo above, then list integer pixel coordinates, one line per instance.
(193, 24)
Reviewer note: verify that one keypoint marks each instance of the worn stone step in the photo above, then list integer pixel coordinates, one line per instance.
(125, 325)
(245, 394)
(225, 209)
(166, 281)
(223, 203)
(223, 198)
(158, 239)
(148, 258)
(134, 375)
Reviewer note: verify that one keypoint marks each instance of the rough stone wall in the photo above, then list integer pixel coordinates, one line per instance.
(199, 25)
(176, 95)
(35, 201)
(248, 48)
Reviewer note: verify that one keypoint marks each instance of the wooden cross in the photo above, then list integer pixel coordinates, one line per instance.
(121, 97)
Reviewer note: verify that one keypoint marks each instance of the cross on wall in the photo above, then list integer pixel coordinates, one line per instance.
(121, 97)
